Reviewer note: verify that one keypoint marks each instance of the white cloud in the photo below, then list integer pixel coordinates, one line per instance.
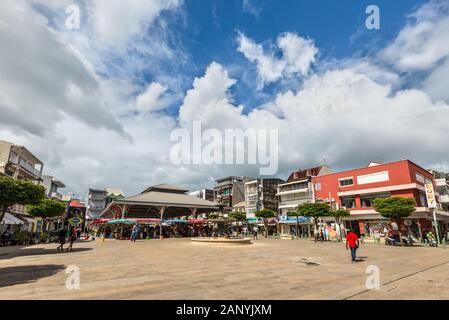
(423, 42)
(115, 23)
(150, 99)
(252, 7)
(41, 78)
(298, 54)
(340, 115)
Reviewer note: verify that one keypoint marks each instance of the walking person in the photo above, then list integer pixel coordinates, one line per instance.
(62, 233)
(72, 238)
(352, 243)
(255, 230)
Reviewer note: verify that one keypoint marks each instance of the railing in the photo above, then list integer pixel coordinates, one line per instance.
(293, 187)
(292, 202)
(25, 165)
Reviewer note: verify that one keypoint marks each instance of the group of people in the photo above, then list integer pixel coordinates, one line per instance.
(72, 235)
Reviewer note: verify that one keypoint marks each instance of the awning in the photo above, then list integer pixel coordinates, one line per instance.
(28, 220)
(9, 219)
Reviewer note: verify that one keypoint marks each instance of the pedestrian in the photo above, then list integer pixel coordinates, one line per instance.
(326, 234)
(78, 233)
(255, 231)
(61, 237)
(352, 243)
(72, 238)
(134, 233)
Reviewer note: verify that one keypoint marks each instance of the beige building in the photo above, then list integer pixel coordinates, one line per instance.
(261, 194)
(19, 163)
(298, 188)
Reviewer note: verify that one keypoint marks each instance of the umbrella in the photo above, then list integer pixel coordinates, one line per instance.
(121, 221)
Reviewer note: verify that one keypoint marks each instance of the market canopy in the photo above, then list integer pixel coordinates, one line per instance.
(159, 201)
(9, 219)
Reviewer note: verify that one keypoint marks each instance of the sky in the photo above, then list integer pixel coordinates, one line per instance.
(98, 102)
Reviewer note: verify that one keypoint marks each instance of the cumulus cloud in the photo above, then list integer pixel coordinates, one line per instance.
(41, 78)
(298, 54)
(422, 43)
(342, 116)
(150, 99)
(115, 24)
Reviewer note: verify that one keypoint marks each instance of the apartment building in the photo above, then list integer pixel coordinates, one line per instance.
(18, 162)
(298, 188)
(261, 194)
(99, 199)
(230, 191)
(96, 202)
(442, 188)
(206, 194)
(52, 186)
(356, 189)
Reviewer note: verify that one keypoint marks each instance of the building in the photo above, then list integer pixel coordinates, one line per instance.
(161, 202)
(51, 185)
(113, 194)
(99, 199)
(206, 194)
(230, 191)
(442, 188)
(356, 189)
(96, 202)
(261, 194)
(19, 163)
(298, 188)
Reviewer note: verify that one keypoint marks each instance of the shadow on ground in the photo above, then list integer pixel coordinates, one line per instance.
(11, 276)
(23, 252)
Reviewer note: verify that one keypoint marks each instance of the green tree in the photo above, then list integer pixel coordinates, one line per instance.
(395, 208)
(338, 215)
(315, 211)
(18, 192)
(238, 216)
(47, 208)
(265, 214)
(297, 215)
(212, 216)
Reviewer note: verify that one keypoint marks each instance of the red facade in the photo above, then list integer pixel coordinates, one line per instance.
(355, 189)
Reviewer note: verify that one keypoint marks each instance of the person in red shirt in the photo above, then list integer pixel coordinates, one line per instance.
(352, 242)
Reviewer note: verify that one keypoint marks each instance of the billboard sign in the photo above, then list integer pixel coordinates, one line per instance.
(430, 195)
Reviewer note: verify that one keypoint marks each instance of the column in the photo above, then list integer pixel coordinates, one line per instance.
(161, 211)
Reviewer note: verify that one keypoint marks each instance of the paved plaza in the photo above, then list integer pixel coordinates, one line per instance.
(180, 269)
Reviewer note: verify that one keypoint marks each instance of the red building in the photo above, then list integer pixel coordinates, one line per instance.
(356, 189)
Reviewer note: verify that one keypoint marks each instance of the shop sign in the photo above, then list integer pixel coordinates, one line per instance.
(430, 195)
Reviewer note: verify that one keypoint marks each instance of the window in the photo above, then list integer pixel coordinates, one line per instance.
(346, 182)
(318, 186)
(366, 201)
(420, 178)
(348, 202)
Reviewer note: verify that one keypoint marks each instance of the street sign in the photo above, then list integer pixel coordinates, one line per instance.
(430, 195)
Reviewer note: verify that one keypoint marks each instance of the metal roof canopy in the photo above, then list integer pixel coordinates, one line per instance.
(168, 200)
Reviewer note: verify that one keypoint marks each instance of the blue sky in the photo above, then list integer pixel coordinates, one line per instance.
(207, 32)
(102, 100)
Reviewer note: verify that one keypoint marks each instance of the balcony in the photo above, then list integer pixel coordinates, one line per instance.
(443, 198)
(56, 195)
(441, 182)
